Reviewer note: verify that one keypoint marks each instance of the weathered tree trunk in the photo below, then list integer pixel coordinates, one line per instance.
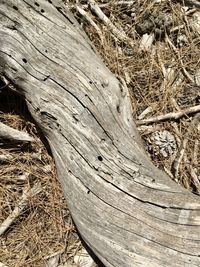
(128, 212)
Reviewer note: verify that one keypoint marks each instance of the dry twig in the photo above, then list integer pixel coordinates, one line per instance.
(20, 207)
(144, 113)
(7, 132)
(147, 41)
(170, 116)
(119, 34)
(83, 13)
(195, 3)
(119, 3)
(180, 154)
(53, 261)
(185, 72)
(5, 158)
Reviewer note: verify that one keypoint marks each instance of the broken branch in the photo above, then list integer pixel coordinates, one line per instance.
(119, 34)
(7, 132)
(170, 116)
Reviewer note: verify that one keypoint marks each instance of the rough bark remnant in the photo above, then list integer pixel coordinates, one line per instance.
(129, 212)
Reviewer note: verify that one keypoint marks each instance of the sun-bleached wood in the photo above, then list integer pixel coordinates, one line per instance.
(12, 134)
(130, 213)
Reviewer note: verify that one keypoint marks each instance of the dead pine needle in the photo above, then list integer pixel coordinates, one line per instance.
(119, 34)
(185, 72)
(19, 207)
(181, 153)
(194, 3)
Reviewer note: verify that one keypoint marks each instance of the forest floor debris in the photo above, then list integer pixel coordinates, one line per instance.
(163, 76)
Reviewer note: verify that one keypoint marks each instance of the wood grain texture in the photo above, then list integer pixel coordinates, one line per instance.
(130, 213)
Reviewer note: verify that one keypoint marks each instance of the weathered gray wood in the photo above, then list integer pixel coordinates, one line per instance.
(129, 212)
(7, 132)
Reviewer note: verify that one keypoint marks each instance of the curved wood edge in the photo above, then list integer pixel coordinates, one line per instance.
(128, 212)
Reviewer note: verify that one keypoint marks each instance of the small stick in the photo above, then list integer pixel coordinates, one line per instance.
(170, 116)
(6, 132)
(3, 87)
(190, 11)
(20, 207)
(147, 129)
(119, 3)
(82, 258)
(179, 158)
(193, 175)
(164, 71)
(146, 42)
(177, 28)
(196, 152)
(185, 72)
(195, 3)
(90, 20)
(5, 158)
(195, 178)
(170, 77)
(180, 154)
(57, 253)
(174, 103)
(125, 2)
(145, 112)
(120, 34)
(53, 261)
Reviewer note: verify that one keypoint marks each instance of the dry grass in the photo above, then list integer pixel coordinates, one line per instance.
(44, 227)
(163, 79)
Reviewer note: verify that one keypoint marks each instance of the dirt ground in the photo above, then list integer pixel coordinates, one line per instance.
(154, 48)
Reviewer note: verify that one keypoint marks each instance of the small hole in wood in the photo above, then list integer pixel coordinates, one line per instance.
(13, 28)
(37, 4)
(15, 7)
(100, 158)
(46, 51)
(90, 82)
(50, 1)
(47, 77)
(42, 10)
(24, 60)
(121, 88)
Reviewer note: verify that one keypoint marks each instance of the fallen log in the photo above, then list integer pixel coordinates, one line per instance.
(127, 211)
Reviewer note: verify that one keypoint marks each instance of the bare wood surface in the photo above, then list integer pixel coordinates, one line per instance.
(128, 212)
